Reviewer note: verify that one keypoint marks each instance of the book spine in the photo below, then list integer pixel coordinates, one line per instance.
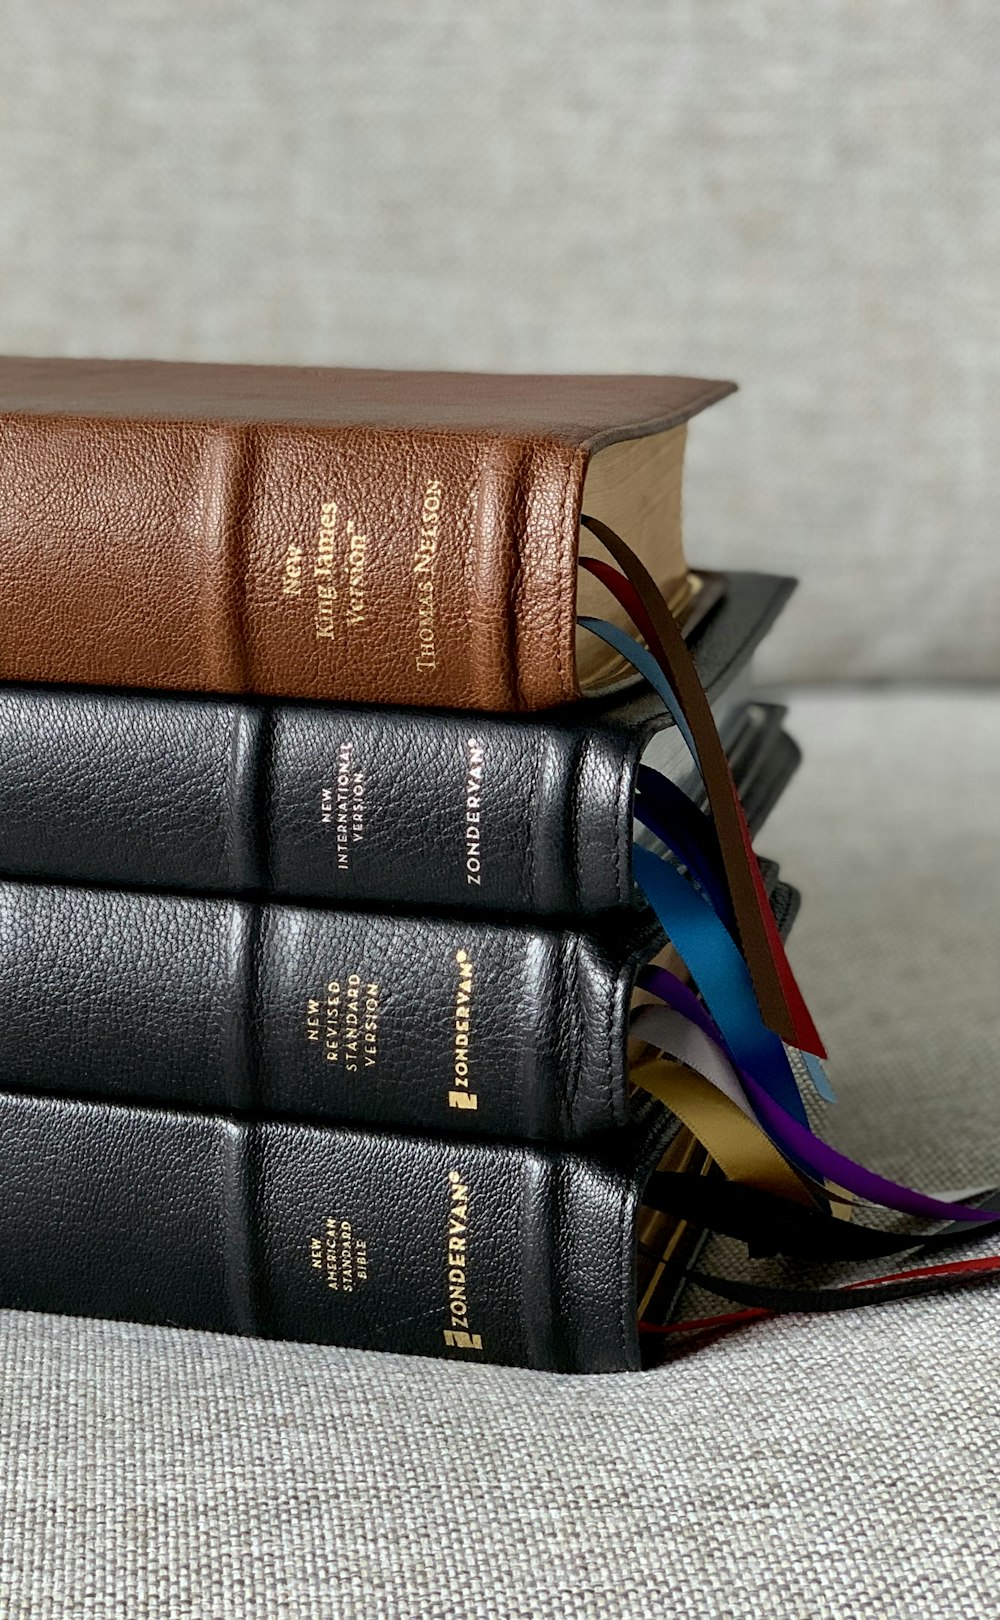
(438, 1024)
(307, 801)
(471, 1251)
(361, 564)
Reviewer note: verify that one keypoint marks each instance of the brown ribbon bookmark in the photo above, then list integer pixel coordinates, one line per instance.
(781, 1002)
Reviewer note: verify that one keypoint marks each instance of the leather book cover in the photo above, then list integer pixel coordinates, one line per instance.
(481, 1251)
(376, 537)
(353, 804)
(453, 1024)
(462, 1024)
(470, 1250)
(474, 1251)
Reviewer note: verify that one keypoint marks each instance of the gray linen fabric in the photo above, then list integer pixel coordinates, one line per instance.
(892, 830)
(843, 1469)
(835, 1469)
(803, 197)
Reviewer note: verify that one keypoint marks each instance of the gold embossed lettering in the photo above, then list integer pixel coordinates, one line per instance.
(357, 545)
(473, 807)
(424, 560)
(462, 1035)
(458, 1335)
(333, 577)
(340, 1256)
(343, 1022)
(331, 1040)
(323, 565)
(326, 590)
(291, 579)
(350, 805)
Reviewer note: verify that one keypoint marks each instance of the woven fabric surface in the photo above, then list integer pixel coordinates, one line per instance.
(835, 1469)
(845, 1469)
(805, 198)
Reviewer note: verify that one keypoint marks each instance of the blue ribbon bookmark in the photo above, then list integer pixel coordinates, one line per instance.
(721, 975)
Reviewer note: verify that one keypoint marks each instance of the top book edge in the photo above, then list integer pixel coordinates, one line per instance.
(589, 411)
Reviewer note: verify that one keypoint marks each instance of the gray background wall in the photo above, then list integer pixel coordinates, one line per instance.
(805, 197)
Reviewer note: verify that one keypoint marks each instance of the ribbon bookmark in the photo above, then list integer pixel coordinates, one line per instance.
(714, 962)
(797, 1143)
(778, 994)
(763, 1219)
(736, 1142)
(769, 1302)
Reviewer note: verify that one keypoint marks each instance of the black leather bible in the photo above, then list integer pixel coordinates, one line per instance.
(456, 1023)
(346, 804)
(500, 1252)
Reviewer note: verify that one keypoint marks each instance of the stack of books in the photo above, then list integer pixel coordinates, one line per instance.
(331, 1007)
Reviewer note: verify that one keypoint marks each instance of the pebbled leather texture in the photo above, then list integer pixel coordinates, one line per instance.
(476, 1251)
(488, 1027)
(350, 536)
(495, 1252)
(453, 1023)
(357, 805)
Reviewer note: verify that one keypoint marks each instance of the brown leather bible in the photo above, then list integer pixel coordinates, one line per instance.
(365, 536)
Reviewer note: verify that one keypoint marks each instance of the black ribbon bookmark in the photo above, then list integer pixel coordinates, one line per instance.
(770, 1225)
(782, 1301)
